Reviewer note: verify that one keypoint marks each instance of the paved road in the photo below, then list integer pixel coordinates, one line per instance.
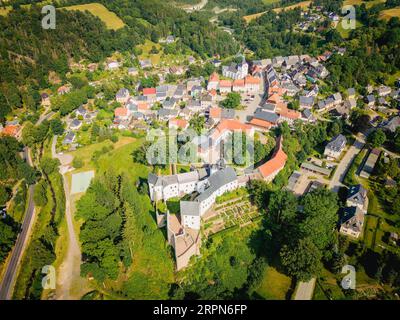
(305, 290)
(345, 164)
(69, 271)
(7, 285)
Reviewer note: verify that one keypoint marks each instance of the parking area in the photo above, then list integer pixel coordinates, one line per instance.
(305, 181)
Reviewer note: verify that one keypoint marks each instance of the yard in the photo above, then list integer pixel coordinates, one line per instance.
(275, 285)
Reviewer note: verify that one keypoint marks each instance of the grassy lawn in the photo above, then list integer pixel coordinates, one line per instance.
(275, 285)
(146, 48)
(345, 33)
(111, 20)
(370, 230)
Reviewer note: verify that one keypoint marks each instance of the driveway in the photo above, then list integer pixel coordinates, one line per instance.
(345, 164)
(305, 290)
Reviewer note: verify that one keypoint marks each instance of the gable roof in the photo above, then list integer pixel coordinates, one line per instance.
(276, 163)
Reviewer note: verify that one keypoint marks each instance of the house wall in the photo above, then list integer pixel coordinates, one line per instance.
(349, 232)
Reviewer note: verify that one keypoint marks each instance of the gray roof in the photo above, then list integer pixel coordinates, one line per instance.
(188, 177)
(152, 178)
(314, 168)
(269, 107)
(75, 123)
(168, 180)
(190, 208)
(357, 194)
(307, 114)
(69, 137)
(337, 143)
(353, 218)
(351, 91)
(266, 116)
(308, 101)
(122, 93)
(217, 180)
(370, 98)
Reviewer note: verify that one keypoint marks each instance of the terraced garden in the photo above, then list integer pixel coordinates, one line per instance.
(235, 213)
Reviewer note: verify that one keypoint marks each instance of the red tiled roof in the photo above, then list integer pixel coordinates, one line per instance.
(238, 83)
(260, 123)
(149, 91)
(288, 113)
(10, 130)
(276, 90)
(214, 77)
(180, 123)
(230, 125)
(277, 162)
(225, 83)
(252, 80)
(215, 112)
(274, 98)
(121, 112)
(143, 106)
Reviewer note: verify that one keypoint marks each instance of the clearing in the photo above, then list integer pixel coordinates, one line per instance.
(390, 13)
(111, 20)
(274, 285)
(303, 4)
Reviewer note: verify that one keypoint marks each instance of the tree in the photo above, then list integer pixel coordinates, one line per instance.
(77, 163)
(56, 126)
(377, 138)
(4, 195)
(49, 165)
(301, 260)
(7, 238)
(232, 101)
(319, 217)
(359, 120)
(40, 195)
(197, 122)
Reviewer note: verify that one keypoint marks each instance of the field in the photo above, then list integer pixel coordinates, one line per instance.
(251, 17)
(111, 20)
(368, 4)
(390, 13)
(345, 33)
(304, 4)
(274, 286)
(5, 11)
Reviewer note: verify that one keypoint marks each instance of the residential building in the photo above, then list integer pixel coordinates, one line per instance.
(352, 222)
(335, 147)
(357, 197)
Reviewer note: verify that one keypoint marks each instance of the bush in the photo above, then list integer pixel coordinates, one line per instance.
(77, 163)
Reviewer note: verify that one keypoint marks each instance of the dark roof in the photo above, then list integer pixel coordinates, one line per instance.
(266, 116)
